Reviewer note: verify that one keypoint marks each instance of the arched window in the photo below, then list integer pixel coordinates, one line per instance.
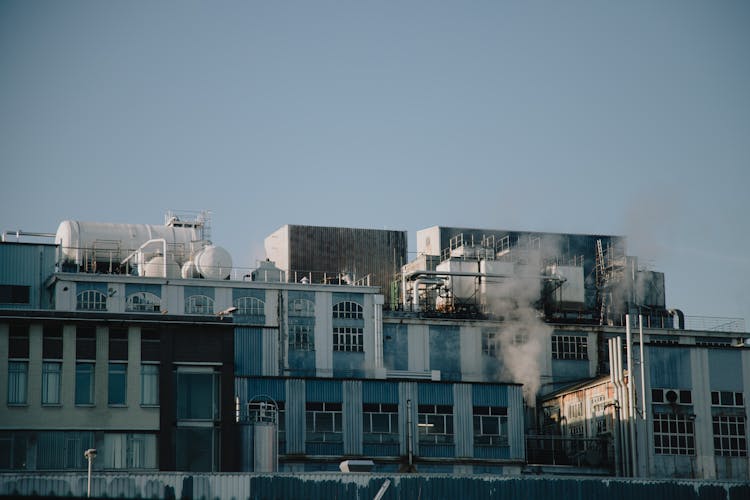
(301, 307)
(91, 300)
(250, 306)
(143, 302)
(348, 310)
(199, 304)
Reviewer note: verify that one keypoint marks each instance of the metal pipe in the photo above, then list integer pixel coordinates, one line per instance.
(616, 416)
(631, 395)
(409, 433)
(20, 233)
(643, 369)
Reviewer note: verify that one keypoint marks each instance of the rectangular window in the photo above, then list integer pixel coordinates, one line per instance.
(435, 424)
(150, 342)
(380, 423)
(729, 435)
(490, 425)
(727, 398)
(323, 422)
(128, 451)
(197, 449)
(118, 344)
(348, 339)
(13, 450)
(85, 342)
(569, 347)
(51, 378)
(117, 384)
(490, 342)
(84, 390)
(197, 395)
(15, 294)
(18, 380)
(52, 342)
(674, 434)
(150, 385)
(301, 337)
(18, 342)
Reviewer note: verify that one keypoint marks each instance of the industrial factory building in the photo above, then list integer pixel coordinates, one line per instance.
(492, 351)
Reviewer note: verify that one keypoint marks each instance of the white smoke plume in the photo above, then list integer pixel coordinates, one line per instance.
(523, 334)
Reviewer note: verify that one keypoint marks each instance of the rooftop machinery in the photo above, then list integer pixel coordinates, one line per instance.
(479, 277)
(179, 248)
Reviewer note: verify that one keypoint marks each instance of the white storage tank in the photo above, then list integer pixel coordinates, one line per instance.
(213, 262)
(155, 268)
(101, 241)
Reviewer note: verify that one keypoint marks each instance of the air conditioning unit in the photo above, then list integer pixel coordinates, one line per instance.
(672, 396)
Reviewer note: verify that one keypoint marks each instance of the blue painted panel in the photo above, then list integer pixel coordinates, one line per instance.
(348, 364)
(670, 367)
(248, 351)
(492, 368)
(300, 294)
(445, 351)
(435, 394)
(238, 293)
(489, 395)
(99, 287)
(725, 369)
(565, 370)
(380, 450)
(350, 297)
(325, 391)
(324, 449)
(491, 451)
(29, 265)
(395, 347)
(436, 450)
(274, 387)
(208, 291)
(380, 392)
(301, 363)
(132, 288)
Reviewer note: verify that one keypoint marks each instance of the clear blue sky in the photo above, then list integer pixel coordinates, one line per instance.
(614, 117)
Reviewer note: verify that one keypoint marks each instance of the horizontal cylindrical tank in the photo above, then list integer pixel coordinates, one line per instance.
(155, 268)
(78, 239)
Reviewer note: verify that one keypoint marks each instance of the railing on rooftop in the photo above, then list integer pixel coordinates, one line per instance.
(715, 324)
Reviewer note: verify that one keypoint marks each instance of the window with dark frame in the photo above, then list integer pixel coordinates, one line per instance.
(380, 423)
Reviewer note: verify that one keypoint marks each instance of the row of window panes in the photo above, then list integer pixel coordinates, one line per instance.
(435, 424)
(380, 422)
(58, 450)
(348, 339)
(674, 434)
(84, 383)
(490, 339)
(569, 347)
(727, 398)
(301, 337)
(323, 422)
(729, 436)
(347, 310)
(490, 425)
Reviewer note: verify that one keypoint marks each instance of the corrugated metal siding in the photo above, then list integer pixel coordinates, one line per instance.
(352, 417)
(379, 392)
(489, 395)
(295, 416)
(463, 422)
(516, 422)
(326, 391)
(670, 367)
(274, 387)
(27, 265)
(408, 391)
(437, 450)
(248, 352)
(270, 346)
(328, 485)
(435, 394)
(360, 251)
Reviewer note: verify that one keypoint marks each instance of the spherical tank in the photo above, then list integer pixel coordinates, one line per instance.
(213, 262)
(154, 268)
